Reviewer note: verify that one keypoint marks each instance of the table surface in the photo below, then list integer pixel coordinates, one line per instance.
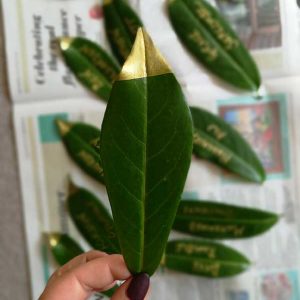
(14, 273)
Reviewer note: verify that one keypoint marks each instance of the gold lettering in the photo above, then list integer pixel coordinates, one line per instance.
(221, 154)
(216, 131)
(209, 268)
(197, 227)
(121, 43)
(95, 82)
(204, 14)
(90, 161)
(205, 47)
(225, 212)
(132, 26)
(98, 61)
(196, 249)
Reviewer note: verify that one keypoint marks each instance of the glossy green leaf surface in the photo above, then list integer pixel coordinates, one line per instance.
(92, 220)
(80, 140)
(208, 36)
(63, 247)
(91, 65)
(221, 221)
(146, 144)
(220, 143)
(121, 25)
(204, 259)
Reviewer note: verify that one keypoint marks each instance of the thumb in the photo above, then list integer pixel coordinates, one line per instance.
(135, 288)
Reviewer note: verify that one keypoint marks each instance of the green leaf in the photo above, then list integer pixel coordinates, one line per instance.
(121, 25)
(204, 259)
(63, 247)
(221, 221)
(80, 141)
(208, 36)
(92, 220)
(91, 65)
(218, 142)
(146, 144)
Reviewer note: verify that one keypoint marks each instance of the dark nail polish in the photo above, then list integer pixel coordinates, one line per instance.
(138, 287)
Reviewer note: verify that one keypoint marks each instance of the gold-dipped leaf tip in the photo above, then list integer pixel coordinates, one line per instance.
(63, 43)
(63, 126)
(145, 60)
(107, 2)
(72, 187)
(52, 238)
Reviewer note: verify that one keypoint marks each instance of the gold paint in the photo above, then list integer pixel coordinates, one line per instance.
(65, 43)
(72, 188)
(98, 61)
(196, 249)
(205, 47)
(144, 60)
(210, 268)
(132, 25)
(64, 127)
(221, 154)
(53, 239)
(225, 212)
(107, 2)
(94, 81)
(205, 15)
(90, 161)
(120, 41)
(237, 231)
(216, 131)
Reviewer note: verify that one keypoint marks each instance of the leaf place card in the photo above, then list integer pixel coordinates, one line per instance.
(146, 145)
(208, 36)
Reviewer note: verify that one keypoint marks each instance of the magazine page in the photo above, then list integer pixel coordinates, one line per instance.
(271, 125)
(35, 70)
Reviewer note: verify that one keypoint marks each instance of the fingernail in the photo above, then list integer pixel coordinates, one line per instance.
(138, 287)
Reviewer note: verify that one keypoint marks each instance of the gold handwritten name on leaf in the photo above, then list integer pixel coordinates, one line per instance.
(187, 210)
(94, 81)
(221, 154)
(236, 230)
(132, 25)
(98, 60)
(209, 268)
(216, 131)
(121, 43)
(90, 161)
(205, 47)
(195, 249)
(94, 235)
(205, 15)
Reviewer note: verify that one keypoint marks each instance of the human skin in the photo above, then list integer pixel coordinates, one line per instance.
(91, 272)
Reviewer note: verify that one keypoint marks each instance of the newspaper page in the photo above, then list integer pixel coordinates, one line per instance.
(34, 66)
(269, 124)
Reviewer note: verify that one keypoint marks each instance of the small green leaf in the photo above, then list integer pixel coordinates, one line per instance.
(218, 142)
(208, 36)
(63, 247)
(80, 140)
(146, 145)
(91, 65)
(204, 259)
(221, 221)
(92, 220)
(121, 24)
